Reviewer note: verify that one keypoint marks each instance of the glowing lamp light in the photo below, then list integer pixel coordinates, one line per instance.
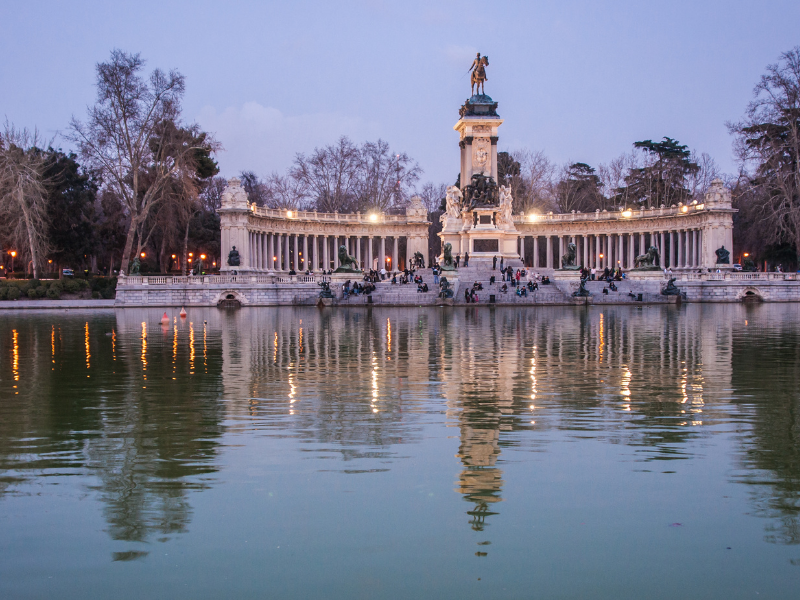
(142, 255)
(173, 256)
(533, 217)
(190, 260)
(700, 206)
(13, 253)
(627, 214)
(684, 209)
(746, 254)
(214, 264)
(191, 254)
(289, 214)
(202, 257)
(601, 256)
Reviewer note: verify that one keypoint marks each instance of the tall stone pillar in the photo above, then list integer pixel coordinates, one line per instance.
(395, 264)
(369, 252)
(326, 263)
(661, 247)
(671, 236)
(536, 252)
(560, 251)
(358, 250)
(597, 251)
(621, 251)
(522, 249)
(305, 253)
(296, 260)
(680, 262)
(585, 244)
(549, 256)
(382, 256)
(279, 251)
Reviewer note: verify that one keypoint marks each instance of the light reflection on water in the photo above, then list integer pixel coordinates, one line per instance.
(456, 429)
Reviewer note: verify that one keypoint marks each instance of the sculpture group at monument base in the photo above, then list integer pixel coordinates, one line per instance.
(287, 290)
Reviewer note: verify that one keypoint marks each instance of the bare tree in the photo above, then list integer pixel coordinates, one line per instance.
(385, 178)
(533, 189)
(285, 191)
(700, 181)
(432, 195)
(117, 138)
(23, 194)
(330, 175)
(767, 143)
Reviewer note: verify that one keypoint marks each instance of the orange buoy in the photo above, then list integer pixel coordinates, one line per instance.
(165, 319)
(183, 313)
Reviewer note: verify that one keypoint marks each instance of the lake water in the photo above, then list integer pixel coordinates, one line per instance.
(558, 452)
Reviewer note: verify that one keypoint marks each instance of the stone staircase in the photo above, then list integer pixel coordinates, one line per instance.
(558, 292)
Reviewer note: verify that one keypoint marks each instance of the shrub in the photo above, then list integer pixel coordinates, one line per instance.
(72, 286)
(32, 293)
(3, 292)
(54, 293)
(57, 285)
(109, 293)
(95, 295)
(14, 293)
(41, 291)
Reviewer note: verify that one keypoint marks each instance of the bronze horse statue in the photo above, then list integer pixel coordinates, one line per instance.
(479, 73)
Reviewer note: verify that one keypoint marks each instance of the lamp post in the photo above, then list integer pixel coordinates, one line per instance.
(13, 253)
(200, 266)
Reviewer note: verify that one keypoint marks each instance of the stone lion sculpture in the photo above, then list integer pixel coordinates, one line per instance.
(347, 263)
(569, 259)
(447, 258)
(453, 202)
(647, 260)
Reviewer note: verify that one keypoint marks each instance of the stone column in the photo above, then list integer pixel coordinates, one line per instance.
(305, 253)
(661, 248)
(279, 251)
(597, 251)
(296, 253)
(560, 251)
(585, 242)
(369, 252)
(358, 250)
(382, 255)
(549, 256)
(536, 252)
(395, 264)
(326, 263)
(671, 235)
(621, 251)
(695, 253)
(680, 248)
(522, 249)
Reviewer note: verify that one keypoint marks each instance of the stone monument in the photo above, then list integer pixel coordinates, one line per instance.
(478, 218)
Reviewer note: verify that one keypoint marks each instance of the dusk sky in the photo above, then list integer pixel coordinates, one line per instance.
(580, 80)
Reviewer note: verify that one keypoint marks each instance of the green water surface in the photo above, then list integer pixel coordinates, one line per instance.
(561, 452)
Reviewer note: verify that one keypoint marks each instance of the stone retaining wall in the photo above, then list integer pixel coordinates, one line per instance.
(293, 291)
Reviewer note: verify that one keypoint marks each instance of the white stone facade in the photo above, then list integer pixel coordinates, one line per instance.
(276, 240)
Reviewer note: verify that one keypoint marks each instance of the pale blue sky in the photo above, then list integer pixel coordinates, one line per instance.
(580, 80)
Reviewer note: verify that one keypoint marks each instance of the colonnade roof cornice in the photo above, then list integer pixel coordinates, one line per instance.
(302, 216)
(638, 221)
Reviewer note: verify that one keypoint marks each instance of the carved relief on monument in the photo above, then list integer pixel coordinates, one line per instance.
(481, 149)
(478, 129)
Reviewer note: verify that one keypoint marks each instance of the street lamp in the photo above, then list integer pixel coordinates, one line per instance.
(13, 253)
(142, 255)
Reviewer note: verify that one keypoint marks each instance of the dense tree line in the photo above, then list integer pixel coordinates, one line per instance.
(145, 184)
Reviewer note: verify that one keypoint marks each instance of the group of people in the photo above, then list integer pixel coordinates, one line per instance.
(457, 259)
(356, 288)
(607, 275)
